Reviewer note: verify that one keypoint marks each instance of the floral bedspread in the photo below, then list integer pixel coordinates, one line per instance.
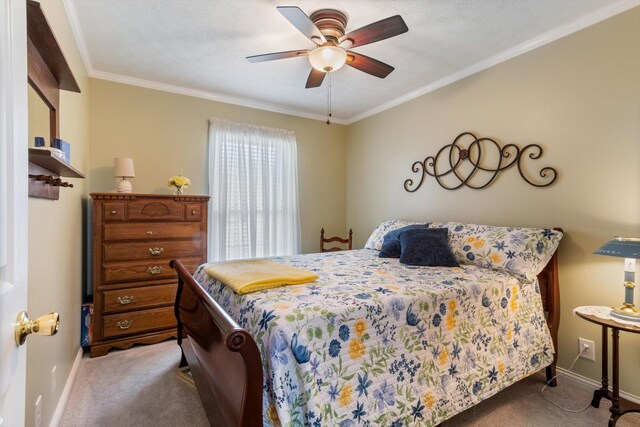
(375, 343)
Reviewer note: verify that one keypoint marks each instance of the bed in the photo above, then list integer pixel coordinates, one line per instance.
(372, 341)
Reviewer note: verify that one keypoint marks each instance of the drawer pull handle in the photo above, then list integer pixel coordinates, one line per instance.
(155, 270)
(156, 251)
(125, 300)
(193, 212)
(125, 324)
(114, 212)
(149, 232)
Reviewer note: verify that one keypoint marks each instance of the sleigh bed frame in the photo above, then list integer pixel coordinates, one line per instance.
(225, 361)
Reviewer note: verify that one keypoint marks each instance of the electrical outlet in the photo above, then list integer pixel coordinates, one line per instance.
(38, 411)
(53, 379)
(587, 349)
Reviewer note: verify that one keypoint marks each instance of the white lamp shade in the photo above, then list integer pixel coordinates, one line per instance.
(123, 167)
(328, 58)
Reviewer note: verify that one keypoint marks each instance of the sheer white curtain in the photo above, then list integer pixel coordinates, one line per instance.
(253, 183)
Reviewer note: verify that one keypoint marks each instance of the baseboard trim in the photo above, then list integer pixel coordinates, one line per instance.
(589, 384)
(62, 402)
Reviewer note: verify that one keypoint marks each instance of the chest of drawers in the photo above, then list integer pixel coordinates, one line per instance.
(134, 238)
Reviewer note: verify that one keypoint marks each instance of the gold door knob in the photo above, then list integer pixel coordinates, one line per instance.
(43, 325)
(114, 212)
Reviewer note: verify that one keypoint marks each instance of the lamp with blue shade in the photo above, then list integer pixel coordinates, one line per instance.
(629, 249)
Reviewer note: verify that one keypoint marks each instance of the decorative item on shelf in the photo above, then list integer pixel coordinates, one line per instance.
(38, 141)
(123, 168)
(180, 183)
(629, 249)
(461, 162)
(64, 147)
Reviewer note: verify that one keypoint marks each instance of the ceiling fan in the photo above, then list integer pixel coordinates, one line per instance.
(326, 28)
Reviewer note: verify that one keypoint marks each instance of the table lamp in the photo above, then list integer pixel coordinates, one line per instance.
(629, 249)
(123, 168)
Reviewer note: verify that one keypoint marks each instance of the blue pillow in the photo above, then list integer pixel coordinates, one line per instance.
(429, 247)
(391, 245)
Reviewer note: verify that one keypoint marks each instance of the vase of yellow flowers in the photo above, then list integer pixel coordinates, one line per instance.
(180, 183)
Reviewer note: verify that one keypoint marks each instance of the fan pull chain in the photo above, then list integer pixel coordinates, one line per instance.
(329, 100)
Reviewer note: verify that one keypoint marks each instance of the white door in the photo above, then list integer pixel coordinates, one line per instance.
(13, 206)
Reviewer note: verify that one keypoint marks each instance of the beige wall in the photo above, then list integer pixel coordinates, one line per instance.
(579, 98)
(166, 135)
(55, 237)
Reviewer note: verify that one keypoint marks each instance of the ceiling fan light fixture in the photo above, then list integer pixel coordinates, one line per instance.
(328, 58)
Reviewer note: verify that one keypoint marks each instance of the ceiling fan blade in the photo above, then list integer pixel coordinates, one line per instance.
(315, 78)
(278, 55)
(369, 65)
(377, 31)
(303, 23)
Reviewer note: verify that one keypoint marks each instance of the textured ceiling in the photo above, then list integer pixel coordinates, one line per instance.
(201, 45)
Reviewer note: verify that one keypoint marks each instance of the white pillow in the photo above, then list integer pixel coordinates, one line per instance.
(376, 238)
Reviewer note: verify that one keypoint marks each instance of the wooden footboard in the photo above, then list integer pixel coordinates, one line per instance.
(224, 359)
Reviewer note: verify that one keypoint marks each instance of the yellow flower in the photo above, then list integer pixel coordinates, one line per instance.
(356, 349)
(500, 367)
(360, 327)
(452, 305)
(514, 304)
(429, 400)
(509, 333)
(444, 356)
(273, 415)
(496, 258)
(471, 239)
(451, 321)
(514, 291)
(179, 181)
(345, 395)
(478, 244)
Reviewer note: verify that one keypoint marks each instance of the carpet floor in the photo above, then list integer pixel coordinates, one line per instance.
(141, 387)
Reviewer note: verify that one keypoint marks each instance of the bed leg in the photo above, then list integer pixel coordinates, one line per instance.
(183, 360)
(551, 375)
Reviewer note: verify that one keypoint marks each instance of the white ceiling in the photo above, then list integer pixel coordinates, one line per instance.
(198, 47)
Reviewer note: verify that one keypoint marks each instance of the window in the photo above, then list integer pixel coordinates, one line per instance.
(253, 183)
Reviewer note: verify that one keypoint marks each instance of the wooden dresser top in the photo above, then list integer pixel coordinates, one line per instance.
(135, 196)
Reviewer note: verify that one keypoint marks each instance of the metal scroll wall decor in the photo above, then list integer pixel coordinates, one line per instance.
(476, 163)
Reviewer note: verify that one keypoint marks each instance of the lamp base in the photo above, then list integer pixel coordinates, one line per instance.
(124, 186)
(626, 313)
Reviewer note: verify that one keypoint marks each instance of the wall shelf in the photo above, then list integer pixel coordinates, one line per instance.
(46, 160)
(48, 73)
(45, 171)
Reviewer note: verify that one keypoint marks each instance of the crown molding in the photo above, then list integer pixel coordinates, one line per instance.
(546, 38)
(211, 96)
(77, 34)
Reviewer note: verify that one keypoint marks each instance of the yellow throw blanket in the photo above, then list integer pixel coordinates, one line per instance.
(258, 274)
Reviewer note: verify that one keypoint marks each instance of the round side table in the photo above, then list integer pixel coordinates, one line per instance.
(619, 406)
